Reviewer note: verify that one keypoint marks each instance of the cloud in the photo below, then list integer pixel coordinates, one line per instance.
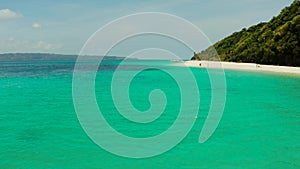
(14, 45)
(36, 25)
(8, 14)
(42, 45)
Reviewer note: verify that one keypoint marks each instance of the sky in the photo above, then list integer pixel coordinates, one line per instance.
(64, 26)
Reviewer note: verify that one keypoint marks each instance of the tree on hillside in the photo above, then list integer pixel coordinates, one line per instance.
(276, 42)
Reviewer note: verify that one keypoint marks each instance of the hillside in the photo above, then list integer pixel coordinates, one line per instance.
(276, 42)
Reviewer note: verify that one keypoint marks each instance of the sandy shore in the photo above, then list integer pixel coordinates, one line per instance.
(240, 66)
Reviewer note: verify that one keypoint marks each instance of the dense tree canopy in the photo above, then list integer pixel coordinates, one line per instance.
(276, 42)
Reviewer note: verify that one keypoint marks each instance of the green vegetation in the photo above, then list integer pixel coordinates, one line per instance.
(196, 56)
(276, 42)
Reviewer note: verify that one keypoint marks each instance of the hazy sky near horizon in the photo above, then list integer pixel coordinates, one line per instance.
(64, 26)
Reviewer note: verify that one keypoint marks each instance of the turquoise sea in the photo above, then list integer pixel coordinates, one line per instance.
(260, 127)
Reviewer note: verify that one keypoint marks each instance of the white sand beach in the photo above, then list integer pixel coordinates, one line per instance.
(240, 66)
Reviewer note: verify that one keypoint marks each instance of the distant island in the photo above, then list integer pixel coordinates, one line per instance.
(45, 57)
(276, 42)
(35, 56)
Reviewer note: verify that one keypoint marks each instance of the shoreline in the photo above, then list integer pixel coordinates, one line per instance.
(239, 66)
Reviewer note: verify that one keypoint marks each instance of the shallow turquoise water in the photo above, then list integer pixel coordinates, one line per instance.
(260, 127)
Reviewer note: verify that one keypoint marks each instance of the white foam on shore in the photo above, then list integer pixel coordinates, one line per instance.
(239, 66)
